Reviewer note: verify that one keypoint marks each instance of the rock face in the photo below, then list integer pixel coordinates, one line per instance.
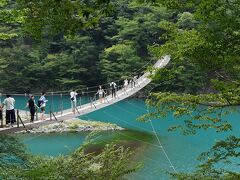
(74, 125)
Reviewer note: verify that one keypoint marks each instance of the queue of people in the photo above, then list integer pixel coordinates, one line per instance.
(113, 88)
(9, 104)
(9, 101)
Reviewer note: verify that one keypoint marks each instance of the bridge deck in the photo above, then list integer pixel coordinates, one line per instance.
(90, 107)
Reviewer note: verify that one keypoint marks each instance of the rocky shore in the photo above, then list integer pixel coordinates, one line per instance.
(74, 125)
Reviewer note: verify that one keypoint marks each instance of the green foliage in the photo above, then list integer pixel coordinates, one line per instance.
(68, 56)
(204, 111)
(137, 27)
(180, 76)
(111, 163)
(213, 44)
(11, 151)
(206, 37)
(119, 61)
(61, 62)
(186, 20)
(225, 152)
(10, 19)
(65, 17)
(5, 36)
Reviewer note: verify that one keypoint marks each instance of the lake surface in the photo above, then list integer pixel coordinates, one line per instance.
(182, 150)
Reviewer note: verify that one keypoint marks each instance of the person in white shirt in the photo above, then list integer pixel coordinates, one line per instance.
(73, 98)
(113, 87)
(10, 112)
(100, 93)
(125, 85)
(42, 104)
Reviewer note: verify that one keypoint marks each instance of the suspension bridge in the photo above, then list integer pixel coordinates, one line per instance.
(93, 105)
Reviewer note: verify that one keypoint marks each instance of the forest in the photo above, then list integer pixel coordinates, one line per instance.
(115, 48)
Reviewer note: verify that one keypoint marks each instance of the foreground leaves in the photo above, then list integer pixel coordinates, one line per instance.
(111, 163)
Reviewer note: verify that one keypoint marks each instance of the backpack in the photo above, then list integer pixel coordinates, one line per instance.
(40, 102)
(112, 86)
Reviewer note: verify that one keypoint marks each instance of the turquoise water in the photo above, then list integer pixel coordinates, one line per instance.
(182, 150)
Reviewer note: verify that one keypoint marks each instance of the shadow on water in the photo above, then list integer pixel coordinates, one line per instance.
(125, 138)
(54, 144)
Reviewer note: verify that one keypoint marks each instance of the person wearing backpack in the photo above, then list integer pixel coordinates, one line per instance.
(113, 87)
(42, 104)
(10, 112)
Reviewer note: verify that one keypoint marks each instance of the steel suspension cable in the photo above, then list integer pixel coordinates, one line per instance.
(154, 131)
(160, 144)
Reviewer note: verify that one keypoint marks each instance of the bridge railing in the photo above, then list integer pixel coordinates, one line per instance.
(19, 119)
(1, 118)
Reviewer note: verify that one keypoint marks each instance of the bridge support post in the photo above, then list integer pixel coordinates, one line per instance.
(17, 118)
(50, 113)
(88, 95)
(61, 106)
(91, 102)
(116, 92)
(36, 113)
(1, 117)
(52, 105)
(1, 110)
(26, 111)
(80, 102)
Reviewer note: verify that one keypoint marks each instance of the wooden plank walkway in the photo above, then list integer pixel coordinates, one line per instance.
(90, 107)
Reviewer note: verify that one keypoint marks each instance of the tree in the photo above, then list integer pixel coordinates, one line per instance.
(67, 59)
(53, 17)
(213, 45)
(111, 163)
(119, 61)
(9, 17)
(137, 26)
